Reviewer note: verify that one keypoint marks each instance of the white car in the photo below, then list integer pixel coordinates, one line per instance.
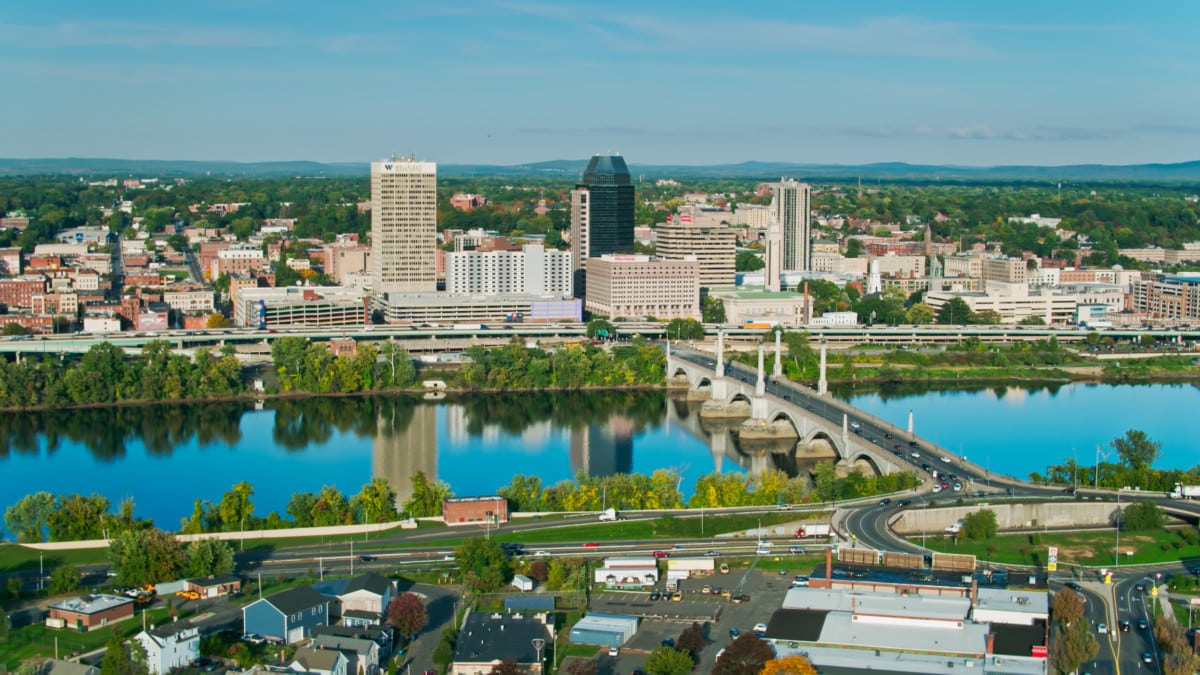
(1102, 629)
(946, 459)
(760, 628)
(614, 651)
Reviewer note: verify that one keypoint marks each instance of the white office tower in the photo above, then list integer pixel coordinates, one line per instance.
(874, 283)
(791, 208)
(773, 257)
(403, 226)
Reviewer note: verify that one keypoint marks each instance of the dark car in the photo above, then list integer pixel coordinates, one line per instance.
(887, 434)
(1142, 625)
(668, 642)
(654, 595)
(1147, 657)
(733, 633)
(913, 444)
(1123, 624)
(366, 558)
(885, 501)
(902, 503)
(1073, 586)
(1140, 588)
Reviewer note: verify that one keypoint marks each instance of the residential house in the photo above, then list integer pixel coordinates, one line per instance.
(365, 599)
(61, 667)
(318, 661)
(289, 616)
(215, 585)
(170, 646)
(362, 655)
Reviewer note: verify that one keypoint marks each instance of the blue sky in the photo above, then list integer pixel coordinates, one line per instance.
(672, 81)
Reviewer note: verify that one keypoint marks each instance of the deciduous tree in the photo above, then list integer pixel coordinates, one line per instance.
(1066, 606)
(1072, 645)
(207, 557)
(484, 564)
(668, 661)
(145, 557)
(407, 614)
(981, 524)
(1136, 449)
(27, 519)
(746, 655)
(789, 665)
(427, 496)
(691, 640)
(376, 503)
(65, 579)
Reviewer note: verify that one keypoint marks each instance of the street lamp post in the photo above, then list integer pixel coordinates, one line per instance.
(538, 644)
(1117, 551)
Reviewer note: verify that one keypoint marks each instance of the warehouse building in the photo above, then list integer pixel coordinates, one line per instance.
(608, 630)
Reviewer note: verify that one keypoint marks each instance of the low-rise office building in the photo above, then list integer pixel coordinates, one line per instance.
(89, 612)
(639, 286)
(475, 510)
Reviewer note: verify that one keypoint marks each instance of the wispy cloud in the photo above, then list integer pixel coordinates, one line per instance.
(984, 132)
(885, 36)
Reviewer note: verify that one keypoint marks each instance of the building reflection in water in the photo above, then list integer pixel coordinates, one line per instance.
(603, 449)
(402, 448)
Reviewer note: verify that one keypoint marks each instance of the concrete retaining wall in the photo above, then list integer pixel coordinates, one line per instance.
(1011, 516)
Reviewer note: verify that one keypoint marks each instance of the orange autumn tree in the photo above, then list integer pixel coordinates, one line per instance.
(791, 665)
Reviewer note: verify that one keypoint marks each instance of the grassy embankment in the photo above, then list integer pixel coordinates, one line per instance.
(1091, 549)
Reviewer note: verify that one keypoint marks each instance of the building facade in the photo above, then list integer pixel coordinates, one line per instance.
(170, 646)
(300, 306)
(530, 270)
(715, 247)
(637, 286)
(792, 210)
(601, 214)
(475, 510)
(1168, 296)
(89, 612)
(403, 226)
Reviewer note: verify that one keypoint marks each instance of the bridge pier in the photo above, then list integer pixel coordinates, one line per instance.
(778, 371)
(823, 382)
(720, 369)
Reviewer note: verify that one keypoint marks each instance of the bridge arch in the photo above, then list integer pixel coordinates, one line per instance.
(862, 458)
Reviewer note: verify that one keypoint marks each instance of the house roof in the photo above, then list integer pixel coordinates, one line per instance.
(296, 599)
(166, 630)
(374, 633)
(361, 614)
(344, 643)
(495, 637)
(1017, 640)
(214, 580)
(61, 667)
(317, 659)
(370, 582)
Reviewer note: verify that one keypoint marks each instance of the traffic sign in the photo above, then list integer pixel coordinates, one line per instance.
(1052, 558)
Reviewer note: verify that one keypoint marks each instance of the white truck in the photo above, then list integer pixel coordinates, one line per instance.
(609, 515)
(813, 530)
(1182, 491)
(469, 326)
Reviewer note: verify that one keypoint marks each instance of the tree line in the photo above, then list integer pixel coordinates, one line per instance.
(1136, 453)
(515, 366)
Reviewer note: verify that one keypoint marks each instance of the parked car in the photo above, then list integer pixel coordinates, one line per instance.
(668, 642)
(760, 629)
(614, 651)
(654, 595)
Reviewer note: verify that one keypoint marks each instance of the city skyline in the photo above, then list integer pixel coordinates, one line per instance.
(671, 83)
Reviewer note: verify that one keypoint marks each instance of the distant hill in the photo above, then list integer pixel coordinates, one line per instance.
(1181, 173)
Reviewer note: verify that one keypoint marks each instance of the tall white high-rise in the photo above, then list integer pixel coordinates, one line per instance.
(403, 226)
(773, 257)
(792, 210)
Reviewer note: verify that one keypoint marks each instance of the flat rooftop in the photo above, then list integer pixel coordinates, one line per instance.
(91, 604)
(841, 628)
(1035, 603)
(884, 603)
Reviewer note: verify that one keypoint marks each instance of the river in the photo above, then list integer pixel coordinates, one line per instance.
(165, 457)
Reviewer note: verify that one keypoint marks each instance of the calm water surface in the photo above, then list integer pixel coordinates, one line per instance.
(165, 457)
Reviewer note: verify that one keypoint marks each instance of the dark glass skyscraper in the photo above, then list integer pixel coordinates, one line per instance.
(601, 213)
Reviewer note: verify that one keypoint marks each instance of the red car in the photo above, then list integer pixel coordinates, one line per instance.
(661, 554)
(591, 544)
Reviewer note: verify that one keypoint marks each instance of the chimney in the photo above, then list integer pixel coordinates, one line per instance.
(974, 592)
(991, 642)
(829, 566)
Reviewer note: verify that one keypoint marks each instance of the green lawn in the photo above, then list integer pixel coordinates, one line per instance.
(1080, 548)
(18, 558)
(667, 527)
(39, 641)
